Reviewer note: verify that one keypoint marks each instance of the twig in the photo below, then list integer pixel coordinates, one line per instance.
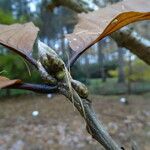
(39, 88)
(94, 126)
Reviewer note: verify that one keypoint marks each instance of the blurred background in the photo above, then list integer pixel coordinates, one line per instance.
(113, 75)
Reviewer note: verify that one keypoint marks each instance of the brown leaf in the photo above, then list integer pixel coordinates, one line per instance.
(19, 37)
(94, 26)
(5, 82)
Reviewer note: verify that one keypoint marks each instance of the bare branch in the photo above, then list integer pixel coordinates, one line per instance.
(94, 126)
(39, 88)
(130, 39)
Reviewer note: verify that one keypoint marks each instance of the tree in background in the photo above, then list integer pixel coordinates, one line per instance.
(121, 74)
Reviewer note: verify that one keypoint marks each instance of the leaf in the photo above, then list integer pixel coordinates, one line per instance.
(94, 26)
(19, 37)
(5, 82)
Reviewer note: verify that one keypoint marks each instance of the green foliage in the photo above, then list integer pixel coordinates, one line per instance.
(6, 17)
(140, 71)
(113, 73)
(13, 92)
(112, 87)
(78, 72)
(84, 72)
(13, 67)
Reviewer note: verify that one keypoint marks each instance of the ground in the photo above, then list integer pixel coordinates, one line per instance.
(59, 127)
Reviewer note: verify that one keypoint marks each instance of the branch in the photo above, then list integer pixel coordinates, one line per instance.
(72, 89)
(39, 88)
(130, 39)
(94, 126)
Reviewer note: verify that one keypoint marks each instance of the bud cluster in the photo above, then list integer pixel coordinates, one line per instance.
(52, 69)
(51, 62)
(80, 88)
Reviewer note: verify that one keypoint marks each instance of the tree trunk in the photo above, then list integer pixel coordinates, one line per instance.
(129, 74)
(101, 62)
(121, 74)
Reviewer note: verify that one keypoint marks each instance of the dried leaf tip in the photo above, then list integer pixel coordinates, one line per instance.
(5, 82)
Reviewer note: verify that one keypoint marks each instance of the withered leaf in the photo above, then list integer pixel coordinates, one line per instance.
(19, 37)
(94, 26)
(5, 82)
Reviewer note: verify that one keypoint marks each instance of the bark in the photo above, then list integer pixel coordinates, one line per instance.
(129, 84)
(94, 126)
(101, 62)
(121, 73)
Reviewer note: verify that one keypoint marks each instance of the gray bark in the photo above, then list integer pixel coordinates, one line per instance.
(94, 126)
(101, 62)
(121, 73)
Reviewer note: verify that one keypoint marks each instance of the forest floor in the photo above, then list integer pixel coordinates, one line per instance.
(60, 127)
